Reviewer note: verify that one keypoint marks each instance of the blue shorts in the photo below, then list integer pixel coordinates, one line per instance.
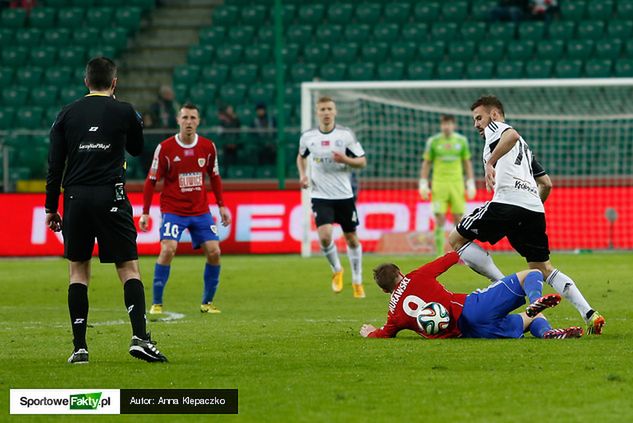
(487, 312)
(201, 228)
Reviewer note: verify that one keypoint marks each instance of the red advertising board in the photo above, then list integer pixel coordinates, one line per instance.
(271, 221)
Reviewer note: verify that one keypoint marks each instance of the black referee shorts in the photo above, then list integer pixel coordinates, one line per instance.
(342, 212)
(91, 212)
(524, 228)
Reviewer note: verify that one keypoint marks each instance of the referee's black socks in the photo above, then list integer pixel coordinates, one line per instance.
(135, 303)
(78, 308)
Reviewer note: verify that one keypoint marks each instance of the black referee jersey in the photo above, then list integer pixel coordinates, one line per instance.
(88, 143)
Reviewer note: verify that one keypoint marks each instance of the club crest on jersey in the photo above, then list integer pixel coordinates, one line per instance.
(202, 162)
(338, 143)
(325, 143)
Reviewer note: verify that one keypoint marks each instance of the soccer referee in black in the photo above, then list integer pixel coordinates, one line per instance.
(87, 157)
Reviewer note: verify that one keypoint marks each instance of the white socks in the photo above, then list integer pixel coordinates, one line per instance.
(355, 256)
(332, 257)
(567, 288)
(480, 261)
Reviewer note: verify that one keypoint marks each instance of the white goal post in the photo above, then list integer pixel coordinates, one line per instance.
(580, 129)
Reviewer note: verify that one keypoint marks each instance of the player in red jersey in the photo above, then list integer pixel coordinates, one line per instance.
(481, 314)
(182, 161)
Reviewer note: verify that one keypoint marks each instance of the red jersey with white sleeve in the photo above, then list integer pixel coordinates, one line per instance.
(417, 289)
(183, 167)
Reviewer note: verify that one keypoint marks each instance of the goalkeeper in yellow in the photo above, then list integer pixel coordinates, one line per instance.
(448, 153)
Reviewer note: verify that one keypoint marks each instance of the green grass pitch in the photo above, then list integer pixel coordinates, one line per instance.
(293, 350)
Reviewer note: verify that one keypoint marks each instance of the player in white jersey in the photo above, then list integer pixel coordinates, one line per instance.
(333, 151)
(516, 209)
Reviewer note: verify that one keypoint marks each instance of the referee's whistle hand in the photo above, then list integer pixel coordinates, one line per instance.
(54, 221)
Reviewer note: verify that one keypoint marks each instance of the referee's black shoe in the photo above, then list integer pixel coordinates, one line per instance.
(145, 349)
(80, 356)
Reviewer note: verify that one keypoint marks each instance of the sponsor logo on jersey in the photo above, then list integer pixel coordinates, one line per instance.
(93, 129)
(202, 162)
(97, 146)
(190, 181)
(188, 152)
(325, 143)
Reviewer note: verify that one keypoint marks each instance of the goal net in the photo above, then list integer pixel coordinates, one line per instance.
(581, 130)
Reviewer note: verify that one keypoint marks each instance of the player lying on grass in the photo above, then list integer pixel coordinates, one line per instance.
(481, 314)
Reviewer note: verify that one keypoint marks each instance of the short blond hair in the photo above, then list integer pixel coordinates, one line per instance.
(325, 99)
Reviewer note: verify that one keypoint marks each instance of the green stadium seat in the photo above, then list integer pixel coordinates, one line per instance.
(6, 37)
(15, 96)
(403, 51)
(426, 11)
(72, 56)
(292, 93)
(69, 94)
(50, 115)
(450, 70)
(14, 56)
(269, 72)
(257, 54)
(625, 9)
(480, 10)
(216, 74)
(6, 76)
(444, 31)
(502, 31)
(340, 13)
(387, 32)
(242, 34)
(79, 73)
(333, 72)
(573, 10)
(43, 56)
(368, 13)
(225, 15)
(415, 32)
(88, 3)
(473, 31)
(57, 76)
(86, 36)
(590, 30)
(624, 68)
(608, 49)
(520, 50)
(58, 37)
(13, 18)
(345, 53)
(245, 113)
(374, 52)
(461, 50)
(622, 29)
(28, 37)
(266, 172)
(602, 9)
(244, 74)
(316, 52)
(181, 92)
(202, 95)
(538, 69)
(561, 30)
(300, 34)
(357, 33)
(6, 118)
(58, 3)
(433, 50)
(28, 76)
(116, 37)
(480, 69)
(262, 93)
(145, 5)
(552, 50)
(300, 72)
(330, 32)
(568, 69)
(311, 13)
(266, 35)
(288, 13)
(42, 17)
(229, 54)
(69, 17)
(455, 11)
(201, 55)
(212, 36)
(361, 71)
(186, 74)
(45, 96)
(240, 172)
(99, 17)
(532, 31)
(128, 18)
(392, 71)
(397, 13)
(579, 49)
(598, 68)
(510, 69)
(233, 93)
(254, 15)
(290, 52)
(101, 50)
(628, 49)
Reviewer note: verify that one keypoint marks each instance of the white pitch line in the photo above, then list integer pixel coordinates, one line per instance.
(168, 317)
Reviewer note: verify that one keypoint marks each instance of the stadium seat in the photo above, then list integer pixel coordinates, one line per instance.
(213, 35)
(288, 13)
(561, 30)
(340, 13)
(532, 31)
(552, 50)
(608, 49)
(265, 35)
(28, 76)
(374, 52)
(6, 76)
(225, 15)
(244, 74)
(333, 72)
(510, 69)
(266, 172)
(145, 5)
(181, 92)
(57, 76)
(254, 15)
(403, 51)
(451, 69)
(622, 29)
(397, 13)
(391, 71)
(538, 69)
(229, 54)
(241, 35)
(590, 30)
(368, 13)
(262, 93)
(290, 52)
(387, 32)
(58, 37)
(415, 32)
(579, 49)
(361, 71)
(99, 17)
(292, 92)
(43, 56)
(461, 50)
(625, 9)
(116, 37)
(311, 13)
(45, 96)
(200, 55)
(6, 37)
(455, 11)
(86, 36)
(316, 52)
(480, 69)
(624, 68)
(426, 11)
(101, 50)
(28, 37)
(216, 74)
(573, 10)
(598, 68)
(300, 34)
(433, 50)
(600, 10)
(186, 74)
(69, 17)
(568, 68)
(444, 31)
(72, 56)
(128, 18)
(14, 56)
(480, 10)
(502, 31)
(6, 118)
(520, 50)
(202, 94)
(345, 53)
(357, 33)
(301, 72)
(240, 172)
(628, 49)
(233, 93)
(269, 72)
(330, 32)
(13, 18)
(69, 94)
(473, 31)
(42, 17)
(246, 113)
(257, 54)
(29, 117)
